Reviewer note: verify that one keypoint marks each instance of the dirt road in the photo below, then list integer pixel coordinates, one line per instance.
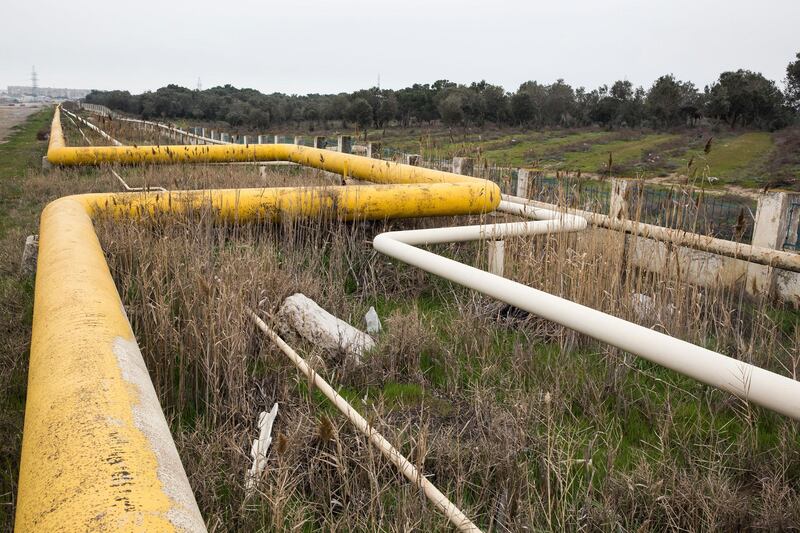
(10, 116)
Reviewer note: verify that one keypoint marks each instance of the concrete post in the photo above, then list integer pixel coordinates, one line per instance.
(618, 201)
(374, 150)
(463, 165)
(225, 137)
(345, 144)
(29, 255)
(771, 226)
(277, 139)
(214, 135)
(298, 140)
(202, 132)
(497, 252)
(412, 159)
(245, 139)
(524, 182)
(319, 141)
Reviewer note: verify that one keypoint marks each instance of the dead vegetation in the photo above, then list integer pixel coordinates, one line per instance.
(524, 424)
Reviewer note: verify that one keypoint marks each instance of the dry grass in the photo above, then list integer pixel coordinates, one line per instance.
(525, 424)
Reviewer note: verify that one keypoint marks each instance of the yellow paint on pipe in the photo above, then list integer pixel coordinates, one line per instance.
(94, 454)
(366, 202)
(354, 166)
(97, 453)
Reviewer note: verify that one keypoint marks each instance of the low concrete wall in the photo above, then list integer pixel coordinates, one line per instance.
(694, 266)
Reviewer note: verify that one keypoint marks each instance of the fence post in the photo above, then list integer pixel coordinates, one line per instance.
(263, 139)
(463, 165)
(298, 140)
(319, 141)
(374, 150)
(277, 139)
(245, 139)
(344, 144)
(770, 230)
(225, 137)
(523, 182)
(412, 159)
(496, 250)
(618, 200)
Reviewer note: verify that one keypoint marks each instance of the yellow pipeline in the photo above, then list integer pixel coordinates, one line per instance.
(97, 453)
(354, 166)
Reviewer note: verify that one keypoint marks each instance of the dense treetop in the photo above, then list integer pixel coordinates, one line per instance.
(738, 98)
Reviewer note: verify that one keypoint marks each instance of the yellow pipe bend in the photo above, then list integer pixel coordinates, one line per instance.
(97, 452)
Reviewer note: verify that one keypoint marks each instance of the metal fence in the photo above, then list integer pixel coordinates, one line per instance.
(722, 216)
(727, 217)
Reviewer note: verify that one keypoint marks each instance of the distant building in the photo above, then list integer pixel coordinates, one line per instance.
(50, 92)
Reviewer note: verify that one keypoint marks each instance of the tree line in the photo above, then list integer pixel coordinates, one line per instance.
(739, 98)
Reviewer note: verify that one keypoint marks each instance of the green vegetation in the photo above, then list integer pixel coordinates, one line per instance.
(18, 155)
(622, 152)
(738, 159)
(740, 98)
(18, 214)
(749, 158)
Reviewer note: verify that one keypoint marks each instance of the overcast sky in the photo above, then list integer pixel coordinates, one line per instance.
(299, 46)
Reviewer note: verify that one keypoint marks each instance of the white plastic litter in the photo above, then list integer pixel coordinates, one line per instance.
(260, 447)
(373, 322)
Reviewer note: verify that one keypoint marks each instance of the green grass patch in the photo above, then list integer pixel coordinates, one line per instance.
(734, 159)
(21, 152)
(623, 152)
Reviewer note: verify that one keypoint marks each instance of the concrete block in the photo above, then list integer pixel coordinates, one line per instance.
(412, 159)
(46, 164)
(344, 143)
(497, 254)
(374, 150)
(316, 325)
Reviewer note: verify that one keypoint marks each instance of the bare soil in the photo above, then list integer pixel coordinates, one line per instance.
(11, 115)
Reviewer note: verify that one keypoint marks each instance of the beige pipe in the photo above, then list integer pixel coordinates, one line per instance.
(439, 500)
(745, 252)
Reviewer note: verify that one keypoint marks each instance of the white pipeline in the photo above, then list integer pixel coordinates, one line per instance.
(773, 391)
(746, 252)
(136, 189)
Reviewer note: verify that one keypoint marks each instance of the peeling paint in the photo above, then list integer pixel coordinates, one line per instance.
(149, 419)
